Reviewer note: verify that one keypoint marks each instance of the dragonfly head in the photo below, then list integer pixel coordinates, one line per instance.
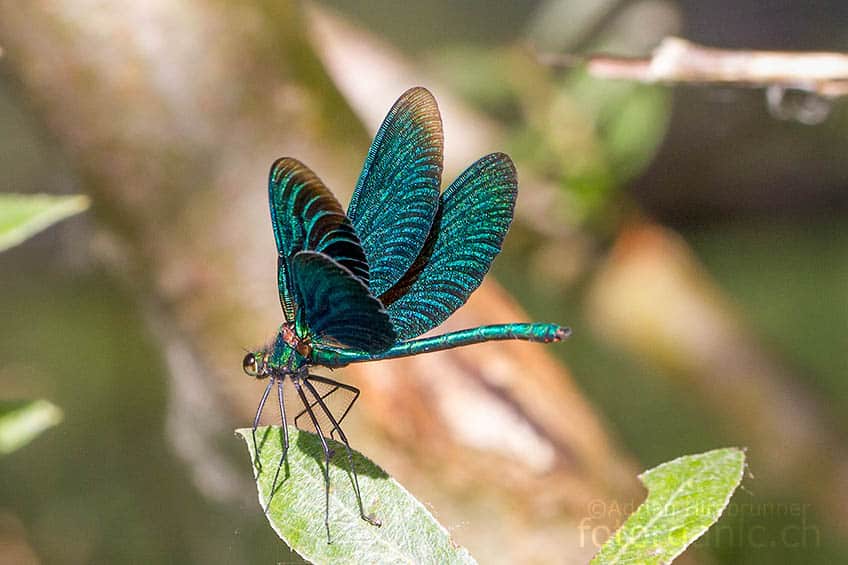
(255, 364)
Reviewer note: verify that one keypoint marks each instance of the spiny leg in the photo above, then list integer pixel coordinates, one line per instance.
(320, 401)
(337, 385)
(326, 448)
(285, 440)
(258, 462)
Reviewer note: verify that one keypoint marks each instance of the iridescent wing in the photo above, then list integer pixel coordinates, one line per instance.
(473, 217)
(306, 216)
(396, 198)
(334, 307)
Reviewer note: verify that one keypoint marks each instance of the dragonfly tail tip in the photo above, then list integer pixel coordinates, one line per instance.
(563, 333)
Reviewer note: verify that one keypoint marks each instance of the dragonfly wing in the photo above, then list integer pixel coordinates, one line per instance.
(306, 216)
(473, 217)
(335, 307)
(397, 194)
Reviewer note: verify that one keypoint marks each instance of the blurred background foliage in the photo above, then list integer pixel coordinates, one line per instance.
(757, 199)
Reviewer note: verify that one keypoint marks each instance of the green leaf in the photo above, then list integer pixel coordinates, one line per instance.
(22, 420)
(685, 497)
(409, 533)
(23, 215)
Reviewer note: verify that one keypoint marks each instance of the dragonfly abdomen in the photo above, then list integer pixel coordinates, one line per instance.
(544, 333)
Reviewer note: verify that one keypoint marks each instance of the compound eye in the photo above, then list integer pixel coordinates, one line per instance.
(250, 366)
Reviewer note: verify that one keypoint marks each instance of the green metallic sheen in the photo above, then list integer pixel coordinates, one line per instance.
(474, 215)
(336, 307)
(363, 286)
(396, 197)
(543, 333)
(306, 216)
(283, 355)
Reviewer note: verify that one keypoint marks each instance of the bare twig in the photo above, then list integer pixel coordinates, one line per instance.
(677, 60)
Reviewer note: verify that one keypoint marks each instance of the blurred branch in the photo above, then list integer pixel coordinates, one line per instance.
(654, 298)
(370, 73)
(677, 60)
(173, 128)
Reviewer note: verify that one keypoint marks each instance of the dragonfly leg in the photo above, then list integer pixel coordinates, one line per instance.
(285, 441)
(257, 461)
(326, 449)
(336, 427)
(303, 413)
(336, 385)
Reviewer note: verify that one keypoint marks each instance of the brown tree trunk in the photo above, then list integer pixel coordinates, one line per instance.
(172, 113)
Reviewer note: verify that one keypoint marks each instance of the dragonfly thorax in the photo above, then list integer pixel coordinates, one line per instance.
(289, 351)
(287, 355)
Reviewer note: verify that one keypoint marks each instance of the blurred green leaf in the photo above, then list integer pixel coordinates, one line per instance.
(685, 497)
(409, 533)
(21, 421)
(634, 129)
(627, 122)
(23, 215)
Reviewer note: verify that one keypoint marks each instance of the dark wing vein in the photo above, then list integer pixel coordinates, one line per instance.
(473, 217)
(397, 194)
(336, 307)
(306, 216)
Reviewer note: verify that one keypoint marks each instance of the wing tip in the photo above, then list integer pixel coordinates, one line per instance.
(278, 163)
(499, 158)
(424, 104)
(285, 165)
(417, 92)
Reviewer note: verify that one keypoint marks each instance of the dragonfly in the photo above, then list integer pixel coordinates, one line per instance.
(363, 285)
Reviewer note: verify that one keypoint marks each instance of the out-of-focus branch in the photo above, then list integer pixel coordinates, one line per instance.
(172, 113)
(370, 73)
(653, 297)
(677, 60)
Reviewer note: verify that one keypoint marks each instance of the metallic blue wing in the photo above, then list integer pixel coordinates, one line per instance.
(473, 217)
(397, 195)
(335, 307)
(306, 216)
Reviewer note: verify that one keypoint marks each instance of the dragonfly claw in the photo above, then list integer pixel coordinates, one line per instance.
(373, 520)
